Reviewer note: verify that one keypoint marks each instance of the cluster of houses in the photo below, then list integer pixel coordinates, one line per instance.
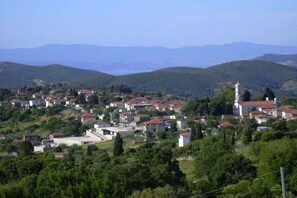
(128, 117)
(262, 111)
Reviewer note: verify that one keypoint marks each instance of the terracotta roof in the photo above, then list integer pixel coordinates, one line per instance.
(86, 91)
(186, 134)
(257, 112)
(154, 121)
(292, 111)
(87, 115)
(282, 108)
(90, 121)
(257, 103)
(142, 115)
(261, 116)
(226, 124)
(292, 118)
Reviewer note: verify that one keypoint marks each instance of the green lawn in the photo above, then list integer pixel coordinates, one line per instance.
(3, 154)
(187, 167)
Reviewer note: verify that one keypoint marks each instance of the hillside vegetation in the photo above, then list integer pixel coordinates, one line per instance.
(197, 82)
(181, 81)
(285, 59)
(13, 75)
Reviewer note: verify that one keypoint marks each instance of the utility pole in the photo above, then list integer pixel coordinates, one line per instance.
(283, 182)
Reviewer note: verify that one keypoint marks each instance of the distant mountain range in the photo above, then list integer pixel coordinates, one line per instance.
(290, 59)
(181, 81)
(126, 60)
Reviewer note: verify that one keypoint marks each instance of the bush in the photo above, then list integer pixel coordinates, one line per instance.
(272, 135)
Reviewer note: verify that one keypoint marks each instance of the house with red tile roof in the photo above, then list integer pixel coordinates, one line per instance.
(243, 108)
(289, 114)
(86, 116)
(278, 112)
(154, 125)
(226, 125)
(184, 139)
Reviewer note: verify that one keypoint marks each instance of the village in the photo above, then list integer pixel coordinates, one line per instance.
(134, 116)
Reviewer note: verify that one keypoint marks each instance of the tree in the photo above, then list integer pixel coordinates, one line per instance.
(196, 132)
(73, 127)
(26, 148)
(230, 169)
(223, 101)
(91, 148)
(118, 146)
(249, 126)
(93, 99)
(268, 93)
(58, 149)
(160, 192)
(10, 148)
(81, 99)
(246, 96)
(276, 154)
(173, 125)
(210, 149)
(197, 107)
(292, 125)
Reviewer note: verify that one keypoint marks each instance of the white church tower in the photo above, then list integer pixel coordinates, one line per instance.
(237, 99)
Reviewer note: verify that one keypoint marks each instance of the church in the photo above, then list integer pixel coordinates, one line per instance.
(243, 108)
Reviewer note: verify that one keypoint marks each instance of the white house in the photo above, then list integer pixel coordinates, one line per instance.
(243, 108)
(101, 124)
(184, 139)
(260, 119)
(110, 132)
(45, 147)
(181, 124)
(2, 137)
(34, 102)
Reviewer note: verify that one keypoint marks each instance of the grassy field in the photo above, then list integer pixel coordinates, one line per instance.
(187, 167)
(3, 154)
(108, 145)
(69, 113)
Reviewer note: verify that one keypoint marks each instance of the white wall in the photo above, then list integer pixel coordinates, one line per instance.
(183, 141)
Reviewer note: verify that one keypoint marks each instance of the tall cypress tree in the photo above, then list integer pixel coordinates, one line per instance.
(118, 148)
(196, 132)
(268, 93)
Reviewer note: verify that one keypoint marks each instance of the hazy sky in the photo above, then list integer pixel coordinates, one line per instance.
(170, 23)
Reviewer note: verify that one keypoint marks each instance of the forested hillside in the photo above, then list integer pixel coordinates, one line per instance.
(13, 75)
(180, 81)
(285, 59)
(193, 82)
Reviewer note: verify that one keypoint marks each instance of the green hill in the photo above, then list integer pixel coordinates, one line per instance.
(196, 82)
(180, 81)
(13, 75)
(285, 59)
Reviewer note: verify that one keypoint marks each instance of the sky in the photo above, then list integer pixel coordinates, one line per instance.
(170, 23)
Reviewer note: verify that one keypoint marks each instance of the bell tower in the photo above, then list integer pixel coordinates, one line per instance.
(237, 99)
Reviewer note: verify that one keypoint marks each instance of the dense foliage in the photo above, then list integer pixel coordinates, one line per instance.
(196, 82)
(82, 175)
